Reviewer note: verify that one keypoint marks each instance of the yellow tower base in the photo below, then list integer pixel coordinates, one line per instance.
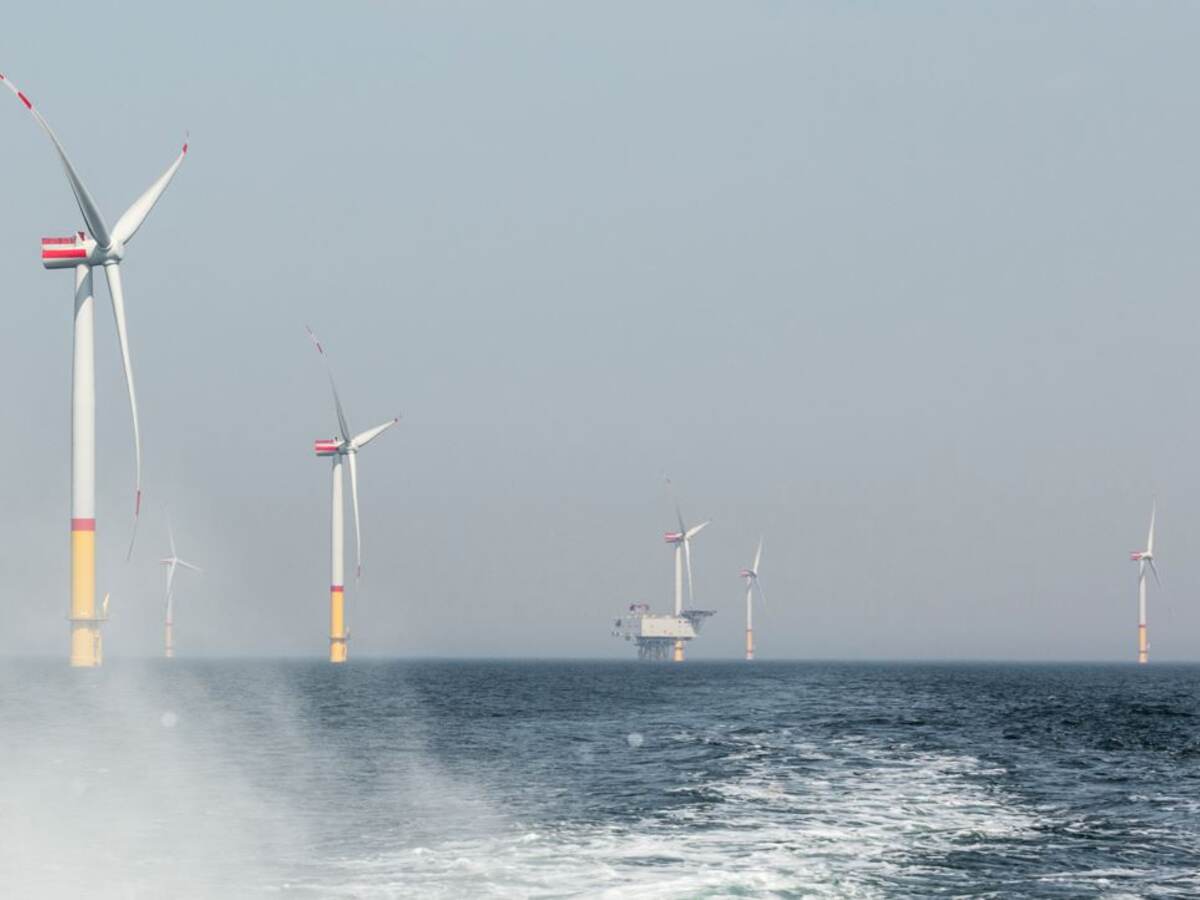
(86, 649)
(678, 655)
(1143, 647)
(749, 643)
(337, 624)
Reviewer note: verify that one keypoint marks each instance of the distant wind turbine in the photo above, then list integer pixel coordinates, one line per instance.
(682, 541)
(1144, 558)
(338, 447)
(751, 576)
(172, 562)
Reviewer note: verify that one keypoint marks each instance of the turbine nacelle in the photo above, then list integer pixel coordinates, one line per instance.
(328, 447)
(80, 249)
(683, 535)
(1139, 555)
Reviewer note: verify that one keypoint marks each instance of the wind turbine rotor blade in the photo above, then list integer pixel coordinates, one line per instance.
(687, 555)
(170, 581)
(131, 220)
(679, 517)
(113, 273)
(757, 557)
(87, 206)
(188, 565)
(1154, 569)
(337, 401)
(361, 440)
(1150, 539)
(696, 529)
(171, 536)
(354, 503)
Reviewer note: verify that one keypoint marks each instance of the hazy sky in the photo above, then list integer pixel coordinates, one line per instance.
(908, 288)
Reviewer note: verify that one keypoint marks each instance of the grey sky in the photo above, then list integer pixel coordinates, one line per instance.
(906, 287)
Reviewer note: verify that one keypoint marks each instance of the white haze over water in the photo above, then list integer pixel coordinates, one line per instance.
(146, 781)
(908, 288)
(114, 788)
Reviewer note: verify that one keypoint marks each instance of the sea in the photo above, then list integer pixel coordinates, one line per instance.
(457, 779)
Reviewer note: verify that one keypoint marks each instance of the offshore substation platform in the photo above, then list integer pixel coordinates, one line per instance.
(659, 636)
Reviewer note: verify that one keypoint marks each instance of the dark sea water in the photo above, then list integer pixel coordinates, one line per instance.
(556, 779)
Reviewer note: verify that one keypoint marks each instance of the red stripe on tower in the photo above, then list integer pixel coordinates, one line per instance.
(83, 524)
(337, 589)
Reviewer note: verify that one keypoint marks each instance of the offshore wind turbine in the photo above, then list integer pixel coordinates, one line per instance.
(682, 541)
(751, 576)
(83, 251)
(342, 446)
(1144, 558)
(172, 562)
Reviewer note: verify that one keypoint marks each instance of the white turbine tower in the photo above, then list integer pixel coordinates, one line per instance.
(172, 562)
(751, 576)
(84, 250)
(1144, 558)
(338, 447)
(682, 540)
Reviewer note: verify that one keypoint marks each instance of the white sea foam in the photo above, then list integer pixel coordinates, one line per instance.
(849, 833)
